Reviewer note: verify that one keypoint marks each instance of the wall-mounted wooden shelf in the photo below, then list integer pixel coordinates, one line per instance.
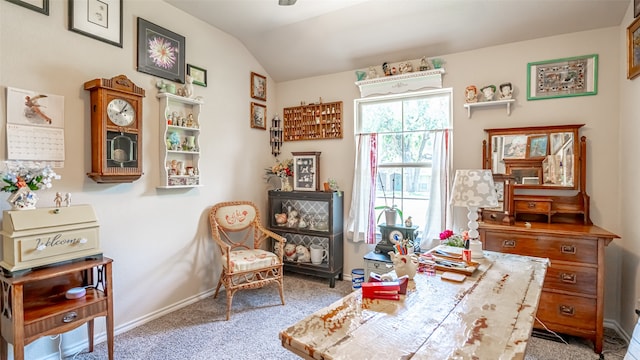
(313, 122)
(506, 103)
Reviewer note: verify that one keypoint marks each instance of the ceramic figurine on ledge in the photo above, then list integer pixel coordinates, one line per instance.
(372, 74)
(424, 65)
(506, 90)
(471, 94)
(488, 91)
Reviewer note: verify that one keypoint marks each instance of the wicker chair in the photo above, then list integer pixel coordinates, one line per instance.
(245, 265)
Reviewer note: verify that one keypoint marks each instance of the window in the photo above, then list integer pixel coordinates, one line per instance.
(409, 129)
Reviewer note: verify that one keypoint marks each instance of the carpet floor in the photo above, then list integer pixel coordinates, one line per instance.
(199, 331)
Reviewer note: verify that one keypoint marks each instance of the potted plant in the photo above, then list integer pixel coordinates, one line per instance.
(389, 212)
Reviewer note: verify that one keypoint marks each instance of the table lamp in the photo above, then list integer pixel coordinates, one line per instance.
(473, 189)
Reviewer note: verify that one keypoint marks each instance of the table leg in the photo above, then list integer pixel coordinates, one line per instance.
(90, 334)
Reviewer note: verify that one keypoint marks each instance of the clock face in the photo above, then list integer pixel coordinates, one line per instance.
(121, 112)
(395, 236)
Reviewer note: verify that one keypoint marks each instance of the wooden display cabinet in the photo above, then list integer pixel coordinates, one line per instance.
(313, 122)
(34, 304)
(322, 218)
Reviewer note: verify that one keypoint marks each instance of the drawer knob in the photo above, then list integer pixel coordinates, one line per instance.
(509, 243)
(70, 317)
(568, 278)
(567, 310)
(531, 205)
(568, 249)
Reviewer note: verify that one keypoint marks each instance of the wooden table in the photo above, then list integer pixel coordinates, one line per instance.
(488, 316)
(34, 304)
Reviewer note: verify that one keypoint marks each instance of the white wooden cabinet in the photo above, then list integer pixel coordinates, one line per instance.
(179, 141)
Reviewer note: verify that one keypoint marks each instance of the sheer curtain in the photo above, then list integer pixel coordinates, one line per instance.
(438, 216)
(361, 224)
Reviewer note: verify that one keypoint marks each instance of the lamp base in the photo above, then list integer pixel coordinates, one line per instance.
(475, 246)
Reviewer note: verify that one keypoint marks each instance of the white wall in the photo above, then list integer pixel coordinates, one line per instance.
(159, 239)
(493, 66)
(629, 148)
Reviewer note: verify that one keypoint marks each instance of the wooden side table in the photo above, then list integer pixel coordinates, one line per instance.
(33, 305)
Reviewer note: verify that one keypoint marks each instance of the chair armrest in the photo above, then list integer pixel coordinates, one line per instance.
(279, 246)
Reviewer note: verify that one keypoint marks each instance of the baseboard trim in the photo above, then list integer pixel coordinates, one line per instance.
(612, 324)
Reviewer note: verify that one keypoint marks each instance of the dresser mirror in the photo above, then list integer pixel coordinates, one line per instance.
(536, 157)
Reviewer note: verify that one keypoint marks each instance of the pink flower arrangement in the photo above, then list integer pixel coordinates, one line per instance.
(447, 237)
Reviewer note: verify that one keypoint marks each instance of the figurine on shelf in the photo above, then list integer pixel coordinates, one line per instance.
(471, 94)
(67, 199)
(386, 69)
(303, 254)
(58, 199)
(488, 91)
(187, 89)
(424, 65)
(506, 91)
(372, 74)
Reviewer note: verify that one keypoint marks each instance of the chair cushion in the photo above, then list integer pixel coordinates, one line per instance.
(243, 260)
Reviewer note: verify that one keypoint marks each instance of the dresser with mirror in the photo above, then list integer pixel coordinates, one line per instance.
(543, 211)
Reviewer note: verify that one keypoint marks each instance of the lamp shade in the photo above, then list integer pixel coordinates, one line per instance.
(473, 188)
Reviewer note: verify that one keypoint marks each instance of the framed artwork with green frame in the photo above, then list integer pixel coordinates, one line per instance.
(566, 77)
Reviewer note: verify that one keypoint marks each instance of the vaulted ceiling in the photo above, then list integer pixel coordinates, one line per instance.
(318, 37)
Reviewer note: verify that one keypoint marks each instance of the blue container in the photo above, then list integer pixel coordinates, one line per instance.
(357, 278)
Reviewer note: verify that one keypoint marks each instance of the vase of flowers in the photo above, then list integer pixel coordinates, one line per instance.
(22, 181)
(447, 237)
(283, 170)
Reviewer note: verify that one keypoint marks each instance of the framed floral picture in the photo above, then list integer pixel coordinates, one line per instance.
(537, 146)
(258, 87)
(160, 52)
(258, 116)
(98, 19)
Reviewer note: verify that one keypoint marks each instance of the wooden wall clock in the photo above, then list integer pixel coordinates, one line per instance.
(116, 130)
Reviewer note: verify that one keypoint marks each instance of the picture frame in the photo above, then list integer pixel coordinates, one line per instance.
(537, 146)
(306, 170)
(41, 6)
(566, 77)
(633, 48)
(636, 8)
(258, 86)
(514, 147)
(258, 116)
(530, 180)
(97, 19)
(168, 65)
(198, 74)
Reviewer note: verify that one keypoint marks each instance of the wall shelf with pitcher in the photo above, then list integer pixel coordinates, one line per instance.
(179, 143)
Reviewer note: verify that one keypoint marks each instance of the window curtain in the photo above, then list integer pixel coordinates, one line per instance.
(439, 214)
(361, 224)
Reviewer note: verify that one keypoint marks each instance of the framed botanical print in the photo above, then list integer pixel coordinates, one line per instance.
(306, 170)
(537, 146)
(258, 116)
(160, 52)
(98, 19)
(41, 6)
(258, 86)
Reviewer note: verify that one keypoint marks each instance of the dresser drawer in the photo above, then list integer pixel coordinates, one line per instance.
(554, 248)
(78, 315)
(577, 279)
(567, 310)
(530, 206)
(378, 267)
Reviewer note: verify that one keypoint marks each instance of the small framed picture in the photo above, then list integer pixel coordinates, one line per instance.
(501, 214)
(160, 52)
(537, 146)
(98, 19)
(258, 116)
(258, 86)
(572, 76)
(530, 180)
(633, 48)
(41, 6)
(514, 147)
(199, 75)
(306, 170)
